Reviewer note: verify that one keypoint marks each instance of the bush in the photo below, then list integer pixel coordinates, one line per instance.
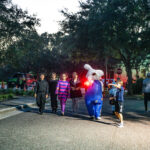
(6, 97)
(30, 93)
(10, 96)
(10, 93)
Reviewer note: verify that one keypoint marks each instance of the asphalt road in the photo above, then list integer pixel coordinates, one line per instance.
(28, 130)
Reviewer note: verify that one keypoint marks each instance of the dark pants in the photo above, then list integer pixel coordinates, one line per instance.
(41, 99)
(146, 99)
(118, 107)
(54, 102)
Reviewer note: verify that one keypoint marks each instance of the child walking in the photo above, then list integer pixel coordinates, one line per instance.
(75, 92)
(63, 91)
(52, 90)
(119, 102)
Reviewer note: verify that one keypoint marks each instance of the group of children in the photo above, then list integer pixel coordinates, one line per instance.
(64, 89)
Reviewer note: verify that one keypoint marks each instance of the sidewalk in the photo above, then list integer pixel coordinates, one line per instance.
(17, 104)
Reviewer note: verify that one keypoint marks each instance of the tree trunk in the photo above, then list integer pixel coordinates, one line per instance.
(106, 70)
(129, 83)
(137, 73)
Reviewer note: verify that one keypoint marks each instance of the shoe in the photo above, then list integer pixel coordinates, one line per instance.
(91, 117)
(98, 118)
(113, 113)
(120, 125)
(41, 113)
(62, 113)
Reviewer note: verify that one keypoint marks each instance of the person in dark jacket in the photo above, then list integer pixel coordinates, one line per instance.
(41, 93)
(52, 90)
(75, 92)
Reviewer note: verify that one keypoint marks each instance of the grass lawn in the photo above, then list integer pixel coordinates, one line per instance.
(10, 94)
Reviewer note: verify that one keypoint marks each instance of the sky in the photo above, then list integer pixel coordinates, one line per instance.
(48, 11)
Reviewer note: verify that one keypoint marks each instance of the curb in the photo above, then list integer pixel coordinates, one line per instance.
(19, 107)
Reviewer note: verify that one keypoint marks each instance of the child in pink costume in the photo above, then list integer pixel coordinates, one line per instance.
(63, 91)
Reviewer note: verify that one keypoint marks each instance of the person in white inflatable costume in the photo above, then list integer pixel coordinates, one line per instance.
(93, 95)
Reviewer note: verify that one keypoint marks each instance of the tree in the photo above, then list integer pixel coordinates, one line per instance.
(14, 23)
(23, 49)
(111, 27)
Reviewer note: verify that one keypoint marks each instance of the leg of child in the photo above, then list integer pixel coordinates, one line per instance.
(113, 108)
(120, 117)
(63, 104)
(73, 104)
(54, 103)
(76, 104)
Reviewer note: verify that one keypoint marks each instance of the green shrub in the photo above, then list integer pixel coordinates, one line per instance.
(11, 92)
(6, 97)
(30, 93)
(10, 96)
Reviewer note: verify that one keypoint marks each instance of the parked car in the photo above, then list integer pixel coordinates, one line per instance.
(21, 79)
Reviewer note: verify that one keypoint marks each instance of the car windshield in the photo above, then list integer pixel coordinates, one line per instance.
(17, 75)
(29, 76)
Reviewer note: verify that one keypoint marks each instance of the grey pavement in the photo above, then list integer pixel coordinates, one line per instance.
(16, 102)
(31, 131)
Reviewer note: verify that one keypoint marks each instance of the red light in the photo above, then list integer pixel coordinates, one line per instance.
(87, 83)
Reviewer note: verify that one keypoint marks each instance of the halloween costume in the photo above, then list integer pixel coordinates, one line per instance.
(93, 95)
(63, 92)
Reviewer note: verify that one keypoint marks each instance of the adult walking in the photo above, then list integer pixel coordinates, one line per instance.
(41, 93)
(146, 91)
(52, 90)
(75, 92)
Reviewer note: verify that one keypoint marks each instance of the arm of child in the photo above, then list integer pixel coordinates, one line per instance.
(116, 85)
(57, 88)
(36, 90)
(68, 88)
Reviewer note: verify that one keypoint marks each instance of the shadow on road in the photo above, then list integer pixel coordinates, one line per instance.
(135, 115)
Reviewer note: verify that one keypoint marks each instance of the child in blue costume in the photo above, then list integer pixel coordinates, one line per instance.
(93, 96)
